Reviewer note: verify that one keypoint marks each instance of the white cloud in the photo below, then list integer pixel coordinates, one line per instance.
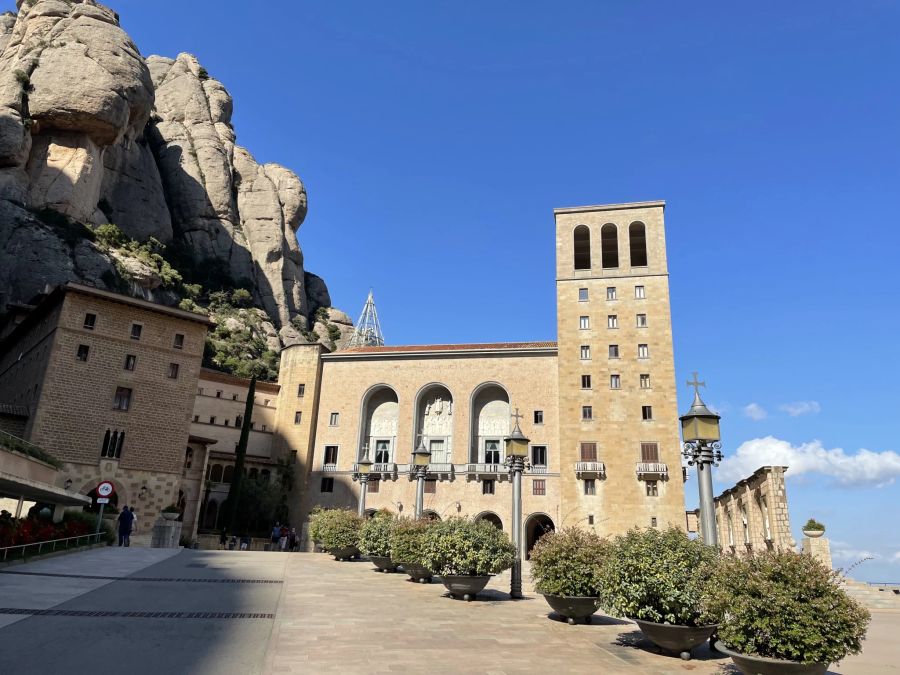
(862, 468)
(896, 557)
(847, 554)
(755, 412)
(798, 408)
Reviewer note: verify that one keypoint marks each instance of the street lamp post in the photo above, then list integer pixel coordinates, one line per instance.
(516, 460)
(700, 431)
(363, 467)
(421, 457)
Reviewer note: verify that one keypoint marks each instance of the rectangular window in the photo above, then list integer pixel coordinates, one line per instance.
(582, 295)
(653, 521)
(225, 423)
(539, 486)
(430, 487)
(641, 320)
(615, 382)
(539, 455)
(590, 487)
(334, 419)
(383, 451)
(301, 390)
(650, 452)
(82, 353)
(647, 412)
(327, 484)
(173, 371)
(219, 394)
(179, 341)
(90, 320)
(585, 352)
(136, 330)
(611, 293)
(212, 419)
(639, 292)
(487, 487)
(588, 452)
(234, 397)
(491, 451)
(652, 488)
(584, 322)
(122, 400)
(374, 485)
(643, 352)
(614, 351)
(112, 444)
(331, 454)
(538, 416)
(298, 417)
(130, 361)
(645, 380)
(239, 421)
(612, 321)
(587, 413)
(196, 418)
(585, 381)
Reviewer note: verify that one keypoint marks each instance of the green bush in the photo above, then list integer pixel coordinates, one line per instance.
(458, 546)
(785, 605)
(314, 531)
(658, 575)
(89, 520)
(408, 541)
(338, 528)
(375, 535)
(567, 562)
(814, 525)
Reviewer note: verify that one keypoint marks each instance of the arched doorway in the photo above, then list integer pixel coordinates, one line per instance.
(536, 526)
(430, 515)
(490, 517)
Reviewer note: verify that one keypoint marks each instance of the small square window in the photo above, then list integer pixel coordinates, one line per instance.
(643, 352)
(641, 320)
(234, 397)
(225, 423)
(298, 417)
(587, 413)
(590, 486)
(538, 416)
(327, 484)
(611, 293)
(647, 412)
(487, 487)
(614, 351)
(334, 419)
(374, 485)
(173, 371)
(301, 390)
(331, 453)
(653, 522)
(615, 382)
(130, 361)
(652, 488)
(539, 455)
(585, 381)
(122, 400)
(588, 452)
(196, 418)
(584, 322)
(178, 343)
(90, 320)
(539, 486)
(582, 295)
(645, 380)
(82, 353)
(212, 419)
(136, 330)
(219, 394)
(238, 420)
(639, 292)
(430, 487)
(612, 321)
(590, 519)
(585, 352)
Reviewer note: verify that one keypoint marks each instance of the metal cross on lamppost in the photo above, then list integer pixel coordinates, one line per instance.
(700, 432)
(363, 467)
(516, 459)
(421, 457)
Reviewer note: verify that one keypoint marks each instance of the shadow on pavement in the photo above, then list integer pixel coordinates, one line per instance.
(636, 640)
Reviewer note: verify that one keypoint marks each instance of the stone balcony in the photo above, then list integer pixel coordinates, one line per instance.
(590, 470)
(380, 470)
(652, 471)
(485, 471)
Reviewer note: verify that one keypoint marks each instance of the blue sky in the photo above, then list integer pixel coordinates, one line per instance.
(436, 138)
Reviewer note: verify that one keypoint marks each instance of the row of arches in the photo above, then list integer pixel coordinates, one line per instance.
(219, 473)
(609, 246)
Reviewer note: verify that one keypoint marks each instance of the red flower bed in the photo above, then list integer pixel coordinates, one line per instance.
(31, 530)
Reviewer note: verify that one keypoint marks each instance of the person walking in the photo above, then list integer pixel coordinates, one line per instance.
(223, 539)
(283, 538)
(124, 521)
(134, 522)
(276, 535)
(292, 540)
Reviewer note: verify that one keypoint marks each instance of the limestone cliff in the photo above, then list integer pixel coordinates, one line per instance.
(93, 133)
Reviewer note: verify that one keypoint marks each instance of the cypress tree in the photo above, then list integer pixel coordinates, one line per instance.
(234, 490)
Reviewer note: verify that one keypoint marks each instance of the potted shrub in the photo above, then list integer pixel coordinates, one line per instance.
(339, 531)
(657, 578)
(565, 566)
(375, 540)
(784, 613)
(813, 528)
(465, 554)
(408, 547)
(171, 512)
(314, 530)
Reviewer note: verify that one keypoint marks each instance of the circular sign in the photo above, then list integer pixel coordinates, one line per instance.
(105, 489)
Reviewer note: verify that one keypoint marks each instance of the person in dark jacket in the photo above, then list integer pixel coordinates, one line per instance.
(125, 519)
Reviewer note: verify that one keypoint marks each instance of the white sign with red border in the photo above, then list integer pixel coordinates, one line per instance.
(105, 489)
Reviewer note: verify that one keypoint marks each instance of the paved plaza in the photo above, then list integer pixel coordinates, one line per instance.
(205, 612)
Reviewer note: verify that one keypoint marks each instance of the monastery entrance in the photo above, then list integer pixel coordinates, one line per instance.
(537, 525)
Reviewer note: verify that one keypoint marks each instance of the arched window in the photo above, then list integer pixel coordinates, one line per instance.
(637, 239)
(254, 473)
(609, 246)
(582, 243)
(228, 474)
(211, 515)
(188, 458)
(216, 474)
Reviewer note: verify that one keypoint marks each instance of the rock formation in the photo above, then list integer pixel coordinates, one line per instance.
(93, 133)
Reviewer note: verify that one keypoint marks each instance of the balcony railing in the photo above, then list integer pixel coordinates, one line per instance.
(329, 467)
(380, 469)
(488, 470)
(651, 470)
(590, 469)
(440, 468)
(538, 469)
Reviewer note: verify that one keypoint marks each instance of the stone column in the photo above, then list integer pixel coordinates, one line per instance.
(818, 547)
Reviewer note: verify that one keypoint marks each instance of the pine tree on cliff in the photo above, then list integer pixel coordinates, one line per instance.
(234, 490)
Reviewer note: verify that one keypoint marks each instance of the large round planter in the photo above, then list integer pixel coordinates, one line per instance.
(344, 553)
(813, 534)
(417, 572)
(680, 639)
(170, 515)
(464, 586)
(383, 563)
(572, 608)
(759, 665)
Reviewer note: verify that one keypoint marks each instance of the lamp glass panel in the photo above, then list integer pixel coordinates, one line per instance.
(516, 447)
(421, 459)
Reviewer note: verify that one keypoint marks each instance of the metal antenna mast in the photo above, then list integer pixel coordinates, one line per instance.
(368, 331)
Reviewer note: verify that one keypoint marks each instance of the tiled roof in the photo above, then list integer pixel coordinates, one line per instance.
(449, 348)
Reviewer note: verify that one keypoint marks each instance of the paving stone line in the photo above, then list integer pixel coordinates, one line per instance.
(164, 579)
(136, 614)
